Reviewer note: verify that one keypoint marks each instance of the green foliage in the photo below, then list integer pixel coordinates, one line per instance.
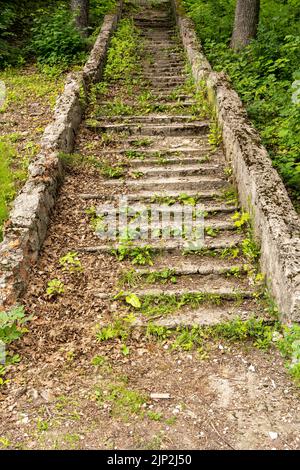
(55, 39)
(166, 304)
(71, 262)
(130, 298)
(241, 219)
(55, 287)
(289, 346)
(122, 58)
(7, 189)
(215, 135)
(137, 255)
(12, 324)
(123, 401)
(262, 74)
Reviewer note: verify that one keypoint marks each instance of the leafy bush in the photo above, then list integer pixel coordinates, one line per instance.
(263, 74)
(12, 324)
(55, 38)
(122, 57)
(7, 190)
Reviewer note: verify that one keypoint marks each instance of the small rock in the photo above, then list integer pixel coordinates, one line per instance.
(273, 435)
(160, 396)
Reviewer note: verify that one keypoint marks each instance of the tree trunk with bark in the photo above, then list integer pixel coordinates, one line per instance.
(245, 23)
(81, 11)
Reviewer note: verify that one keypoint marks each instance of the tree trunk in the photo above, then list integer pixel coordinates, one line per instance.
(245, 23)
(81, 11)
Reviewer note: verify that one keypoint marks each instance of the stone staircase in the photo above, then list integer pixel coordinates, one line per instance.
(177, 159)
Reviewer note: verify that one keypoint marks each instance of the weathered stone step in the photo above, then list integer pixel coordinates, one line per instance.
(180, 183)
(183, 152)
(150, 118)
(203, 195)
(172, 80)
(167, 161)
(180, 170)
(208, 315)
(166, 95)
(212, 209)
(184, 129)
(150, 71)
(156, 230)
(184, 267)
(166, 63)
(206, 291)
(225, 288)
(222, 241)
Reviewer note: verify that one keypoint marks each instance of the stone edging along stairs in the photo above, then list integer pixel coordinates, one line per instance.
(183, 142)
(261, 191)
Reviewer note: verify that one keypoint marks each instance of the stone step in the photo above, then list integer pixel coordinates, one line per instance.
(172, 80)
(225, 288)
(208, 315)
(172, 229)
(206, 291)
(180, 170)
(181, 129)
(167, 161)
(170, 154)
(202, 195)
(181, 184)
(150, 118)
(221, 242)
(166, 95)
(145, 197)
(185, 267)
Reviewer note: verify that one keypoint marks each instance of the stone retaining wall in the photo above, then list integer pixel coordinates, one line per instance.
(261, 191)
(26, 228)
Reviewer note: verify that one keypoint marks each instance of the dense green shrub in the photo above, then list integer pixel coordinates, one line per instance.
(7, 190)
(55, 38)
(44, 29)
(263, 73)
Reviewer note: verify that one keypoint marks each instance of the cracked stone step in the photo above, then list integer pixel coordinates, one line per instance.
(167, 96)
(169, 105)
(225, 287)
(180, 170)
(212, 209)
(145, 162)
(149, 119)
(182, 267)
(184, 129)
(165, 80)
(146, 230)
(228, 291)
(206, 315)
(221, 242)
(148, 195)
(149, 72)
(180, 184)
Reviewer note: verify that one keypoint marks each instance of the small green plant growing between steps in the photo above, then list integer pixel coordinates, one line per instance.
(137, 255)
(96, 221)
(130, 298)
(112, 171)
(55, 287)
(215, 135)
(241, 219)
(143, 142)
(71, 262)
(123, 55)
